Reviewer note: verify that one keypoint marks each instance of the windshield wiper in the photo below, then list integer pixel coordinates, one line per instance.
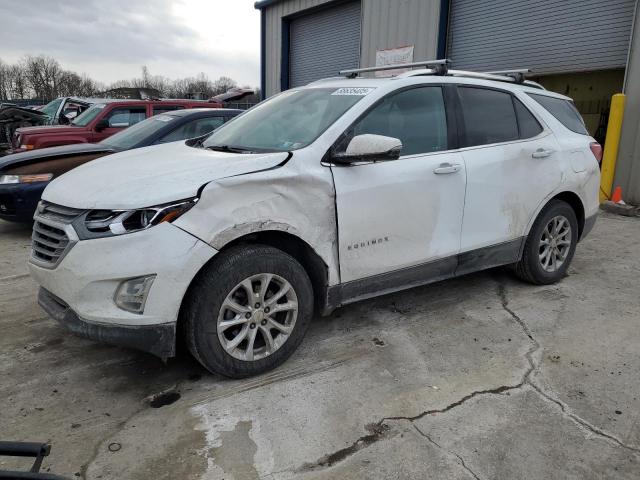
(227, 148)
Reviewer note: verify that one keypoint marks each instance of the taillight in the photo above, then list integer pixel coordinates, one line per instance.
(596, 149)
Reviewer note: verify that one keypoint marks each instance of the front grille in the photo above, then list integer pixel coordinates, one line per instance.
(58, 213)
(50, 241)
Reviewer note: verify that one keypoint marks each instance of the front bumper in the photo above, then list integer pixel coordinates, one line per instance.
(18, 202)
(158, 340)
(85, 281)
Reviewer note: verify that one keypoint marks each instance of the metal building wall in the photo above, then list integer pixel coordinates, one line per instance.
(324, 43)
(273, 38)
(385, 24)
(395, 23)
(628, 164)
(548, 36)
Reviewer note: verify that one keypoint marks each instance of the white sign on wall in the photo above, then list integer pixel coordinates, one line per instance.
(393, 56)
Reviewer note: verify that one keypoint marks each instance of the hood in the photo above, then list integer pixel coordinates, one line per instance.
(13, 113)
(151, 176)
(34, 156)
(49, 129)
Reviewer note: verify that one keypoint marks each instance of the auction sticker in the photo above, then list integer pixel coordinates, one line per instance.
(353, 91)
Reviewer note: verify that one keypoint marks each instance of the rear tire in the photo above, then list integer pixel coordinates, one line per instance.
(247, 311)
(550, 246)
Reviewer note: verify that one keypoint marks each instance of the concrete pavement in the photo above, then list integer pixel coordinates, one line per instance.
(480, 377)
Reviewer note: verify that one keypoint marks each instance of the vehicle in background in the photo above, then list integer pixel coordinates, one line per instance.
(59, 111)
(107, 117)
(24, 176)
(99, 121)
(64, 109)
(321, 196)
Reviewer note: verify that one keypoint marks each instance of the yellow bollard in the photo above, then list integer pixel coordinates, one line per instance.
(611, 144)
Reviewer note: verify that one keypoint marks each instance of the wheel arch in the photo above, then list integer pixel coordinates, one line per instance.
(287, 242)
(299, 249)
(574, 201)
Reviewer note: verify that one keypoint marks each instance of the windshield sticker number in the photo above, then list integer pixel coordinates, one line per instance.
(353, 91)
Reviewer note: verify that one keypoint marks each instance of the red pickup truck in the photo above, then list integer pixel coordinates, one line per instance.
(99, 121)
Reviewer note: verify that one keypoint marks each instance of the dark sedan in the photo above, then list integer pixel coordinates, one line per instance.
(24, 176)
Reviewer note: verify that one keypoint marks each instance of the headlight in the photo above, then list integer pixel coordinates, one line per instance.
(28, 178)
(118, 222)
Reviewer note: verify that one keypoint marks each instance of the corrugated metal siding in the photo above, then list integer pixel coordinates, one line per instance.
(548, 36)
(385, 24)
(395, 23)
(273, 38)
(323, 43)
(628, 165)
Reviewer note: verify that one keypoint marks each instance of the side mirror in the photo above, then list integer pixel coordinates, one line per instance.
(102, 124)
(369, 148)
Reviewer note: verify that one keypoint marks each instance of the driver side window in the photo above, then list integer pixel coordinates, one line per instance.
(417, 117)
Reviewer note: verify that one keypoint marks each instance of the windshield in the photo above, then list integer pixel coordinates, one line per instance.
(137, 133)
(88, 115)
(288, 121)
(51, 108)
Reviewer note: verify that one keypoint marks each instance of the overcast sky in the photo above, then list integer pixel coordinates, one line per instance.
(111, 39)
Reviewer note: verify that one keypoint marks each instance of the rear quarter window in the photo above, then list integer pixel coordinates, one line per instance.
(564, 111)
(527, 123)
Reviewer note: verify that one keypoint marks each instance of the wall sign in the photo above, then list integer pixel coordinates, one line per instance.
(393, 56)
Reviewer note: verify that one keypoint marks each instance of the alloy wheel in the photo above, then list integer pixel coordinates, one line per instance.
(555, 243)
(257, 317)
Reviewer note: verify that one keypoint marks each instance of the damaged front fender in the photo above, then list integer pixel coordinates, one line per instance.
(294, 198)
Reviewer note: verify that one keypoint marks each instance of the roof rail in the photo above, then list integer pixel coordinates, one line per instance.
(439, 67)
(494, 76)
(516, 74)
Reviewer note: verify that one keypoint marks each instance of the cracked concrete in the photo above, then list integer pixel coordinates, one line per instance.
(482, 377)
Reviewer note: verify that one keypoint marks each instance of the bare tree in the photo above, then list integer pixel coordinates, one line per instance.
(43, 77)
(223, 84)
(4, 80)
(43, 74)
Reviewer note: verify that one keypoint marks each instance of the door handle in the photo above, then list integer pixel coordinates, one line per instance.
(447, 168)
(541, 153)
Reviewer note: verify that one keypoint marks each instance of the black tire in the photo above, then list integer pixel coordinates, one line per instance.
(209, 291)
(529, 268)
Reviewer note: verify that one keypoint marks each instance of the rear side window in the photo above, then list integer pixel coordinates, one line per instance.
(564, 111)
(527, 123)
(489, 116)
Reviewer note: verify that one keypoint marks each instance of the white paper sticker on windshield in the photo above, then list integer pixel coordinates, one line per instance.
(354, 91)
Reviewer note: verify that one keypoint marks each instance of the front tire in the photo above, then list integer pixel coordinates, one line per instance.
(550, 246)
(248, 311)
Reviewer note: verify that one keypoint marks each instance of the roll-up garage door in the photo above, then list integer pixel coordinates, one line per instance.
(323, 43)
(548, 36)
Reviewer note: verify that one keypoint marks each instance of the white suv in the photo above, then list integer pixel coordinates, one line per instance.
(324, 195)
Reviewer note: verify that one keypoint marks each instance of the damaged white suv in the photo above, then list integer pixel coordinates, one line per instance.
(324, 195)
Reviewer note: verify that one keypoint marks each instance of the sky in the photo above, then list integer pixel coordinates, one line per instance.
(111, 39)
